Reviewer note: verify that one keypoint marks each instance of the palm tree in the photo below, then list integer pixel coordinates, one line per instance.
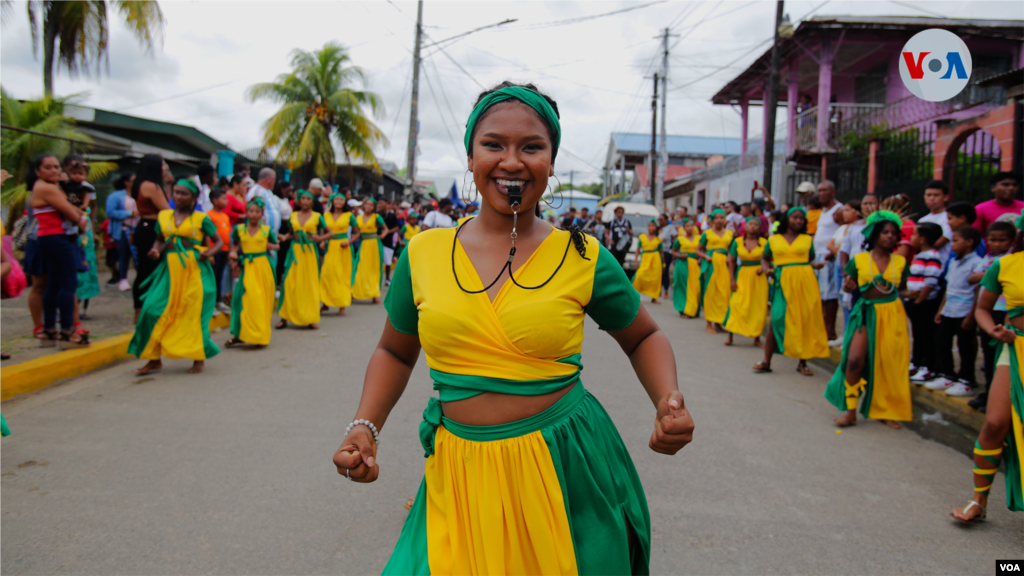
(319, 108)
(17, 149)
(74, 34)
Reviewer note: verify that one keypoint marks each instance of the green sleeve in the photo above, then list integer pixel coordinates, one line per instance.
(380, 223)
(903, 278)
(208, 227)
(272, 237)
(704, 240)
(157, 231)
(733, 250)
(767, 252)
(402, 230)
(851, 269)
(614, 303)
(991, 279)
(235, 238)
(323, 223)
(399, 301)
(810, 255)
(676, 245)
(352, 221)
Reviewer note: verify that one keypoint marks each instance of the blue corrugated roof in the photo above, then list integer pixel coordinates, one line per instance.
(707, 145)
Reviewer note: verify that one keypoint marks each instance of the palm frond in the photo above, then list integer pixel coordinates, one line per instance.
(145, 19)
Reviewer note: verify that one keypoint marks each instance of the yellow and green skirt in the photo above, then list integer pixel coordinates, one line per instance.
(1013, 455)
(715, 286)
(885, 379)
(686, 285)
(555, 493)
(176, 309)
(748, 305)
(647, 279)
(797, 320)
(336, 273)
(368, 268)
(252, 303)
(300, 287)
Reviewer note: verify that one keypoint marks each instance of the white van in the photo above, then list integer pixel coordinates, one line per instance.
(638, 214)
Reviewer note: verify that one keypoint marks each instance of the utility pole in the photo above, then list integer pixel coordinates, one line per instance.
(771, 104)
(659, 190)
(652, 175)
(570, 188)
(410, 160)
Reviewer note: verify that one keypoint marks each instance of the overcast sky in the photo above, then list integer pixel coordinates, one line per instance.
(595, 68)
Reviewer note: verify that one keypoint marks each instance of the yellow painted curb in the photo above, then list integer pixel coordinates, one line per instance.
(36, 374)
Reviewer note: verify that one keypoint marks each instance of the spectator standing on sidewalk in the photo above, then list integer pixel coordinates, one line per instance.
(668, 233)
(440, 218)
(220, 219)
(263, 188)
(1000, 240)
(956, 318)
(922, 301)
(1005, 186)
(935, 194)
(828, 223)
(117, 214)
(619, 235)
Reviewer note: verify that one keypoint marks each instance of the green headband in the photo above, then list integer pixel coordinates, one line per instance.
(800, 208)
(302, 193)
(717, 212)
(686, 220)
(413, 215)
(878, 218)
(190, 184)
(755, 220)
(370, 200)
(330, 201)
(257, 201)
(524, 95)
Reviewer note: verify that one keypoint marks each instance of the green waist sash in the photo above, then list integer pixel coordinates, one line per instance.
(342, 236)
(649, 251)
(433, 417)
(250, 256)
(688, 253)
(718, 251)
(750, 262)
(1016, 311)
(453, 387)
(792, 264)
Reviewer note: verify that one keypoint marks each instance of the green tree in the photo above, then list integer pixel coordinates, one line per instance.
(17, 149)
(319, 107)
(75, 34)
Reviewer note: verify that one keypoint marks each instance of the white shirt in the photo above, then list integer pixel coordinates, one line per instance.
(204, 195)
(853, 244)
(826, 228)
(284, 208)
(942, 219)
(438, 219)
(271, 214)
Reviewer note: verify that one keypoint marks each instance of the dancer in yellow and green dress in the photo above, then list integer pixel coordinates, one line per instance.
(647, 279)
(686, 277)
(748, 304)
(300, 289)
(797, 324)
(876, 347)
(1002, 435)
(252, 303)
(369, 264)
(178, 304)
(525, 472)
(336, 273)
(406, 232)
(714, 275)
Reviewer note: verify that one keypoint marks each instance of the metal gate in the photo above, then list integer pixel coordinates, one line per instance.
(801, 173)
(848, 170)
(905, 163)
(976, 160)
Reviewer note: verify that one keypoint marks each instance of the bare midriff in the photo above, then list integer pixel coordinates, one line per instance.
(491, 408)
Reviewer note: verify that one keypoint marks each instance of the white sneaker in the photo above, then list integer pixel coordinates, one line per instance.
(836, 342)
(922, 375)
(223, 307)
(387, 282)
(912, 368)
(124, 286)
(961, 388)
(939, 383)
(277, 294)
(216, 312)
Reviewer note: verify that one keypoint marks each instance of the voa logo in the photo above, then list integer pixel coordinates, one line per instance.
(935, 65)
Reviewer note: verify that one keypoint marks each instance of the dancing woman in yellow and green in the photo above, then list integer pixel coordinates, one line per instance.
(336, 273)
(525, 472)
(1002, 435)
(686, 282)
(797, 324)
(647, 279)
(748, 304)
(178, 304)
(300, 287)
(369, 264)
(714, 270)
(252, 303)
(876, 345)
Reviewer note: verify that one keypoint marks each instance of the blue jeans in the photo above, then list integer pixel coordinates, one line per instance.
(58, 251)
(124, 254)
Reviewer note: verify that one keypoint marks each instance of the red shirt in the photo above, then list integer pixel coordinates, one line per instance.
(235, 209)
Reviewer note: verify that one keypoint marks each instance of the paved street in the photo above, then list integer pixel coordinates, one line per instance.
(230, 472)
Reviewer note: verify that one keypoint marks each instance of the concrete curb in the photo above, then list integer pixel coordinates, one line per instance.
(39, 373)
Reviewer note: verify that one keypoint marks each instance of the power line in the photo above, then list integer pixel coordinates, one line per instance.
(448, 103)
(437, 103)
(189, 93)
(448, 56)
(586, 18)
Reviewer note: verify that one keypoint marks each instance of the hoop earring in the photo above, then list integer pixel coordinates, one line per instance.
(561, 197)
(463, 191)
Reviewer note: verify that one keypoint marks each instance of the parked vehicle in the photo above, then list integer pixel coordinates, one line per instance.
(638, 214)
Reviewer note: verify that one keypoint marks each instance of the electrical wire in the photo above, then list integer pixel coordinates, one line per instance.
(437, 104)
(189, 93)
(568, 21)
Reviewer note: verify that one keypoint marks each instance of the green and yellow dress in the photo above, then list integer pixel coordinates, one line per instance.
(885, 379)
(715, 285)
(178, 304)
(686, 277)
(336, 273)
(647, 279)
(300, 292)
(369, 264)
(407, 231)
(555, 493)
(797, 320)
(252, 303)
(1006, 277)
(748, 305)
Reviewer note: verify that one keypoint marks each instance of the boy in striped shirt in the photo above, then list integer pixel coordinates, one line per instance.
(922, 301)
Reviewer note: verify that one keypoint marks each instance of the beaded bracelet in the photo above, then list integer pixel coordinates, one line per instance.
(368, 424)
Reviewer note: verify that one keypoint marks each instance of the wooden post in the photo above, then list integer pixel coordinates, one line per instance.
(793, 94)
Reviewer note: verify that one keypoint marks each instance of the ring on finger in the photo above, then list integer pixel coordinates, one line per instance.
(348, 474)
